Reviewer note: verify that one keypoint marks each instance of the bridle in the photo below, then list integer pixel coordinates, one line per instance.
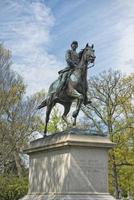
(91, 66)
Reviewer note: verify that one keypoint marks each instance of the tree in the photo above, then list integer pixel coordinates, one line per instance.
(112, 111)
(18, 116)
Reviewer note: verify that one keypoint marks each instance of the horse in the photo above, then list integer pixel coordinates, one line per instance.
(75, 89)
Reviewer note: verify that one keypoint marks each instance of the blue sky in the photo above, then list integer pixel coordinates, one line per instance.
(39, 32)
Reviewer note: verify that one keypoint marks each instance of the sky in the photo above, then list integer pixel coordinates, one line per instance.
(38, 32)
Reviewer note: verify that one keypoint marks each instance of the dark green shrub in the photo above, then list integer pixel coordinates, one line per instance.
(12, 187)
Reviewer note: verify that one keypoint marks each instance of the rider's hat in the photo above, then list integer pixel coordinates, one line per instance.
(74, 42)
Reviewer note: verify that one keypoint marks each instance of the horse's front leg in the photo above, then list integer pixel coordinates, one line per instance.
(80, 99)
(76, 112)
(66, 111)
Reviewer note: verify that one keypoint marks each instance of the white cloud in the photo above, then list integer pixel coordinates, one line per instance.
(27, 35)
(125, 44)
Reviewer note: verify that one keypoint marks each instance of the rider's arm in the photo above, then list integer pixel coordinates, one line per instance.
(68, 59)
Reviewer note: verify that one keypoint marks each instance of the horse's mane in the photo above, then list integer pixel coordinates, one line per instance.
(81, 53)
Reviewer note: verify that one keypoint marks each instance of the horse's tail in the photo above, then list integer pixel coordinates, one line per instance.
(43, 104)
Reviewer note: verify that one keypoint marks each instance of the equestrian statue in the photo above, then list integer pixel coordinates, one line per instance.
(71, 84)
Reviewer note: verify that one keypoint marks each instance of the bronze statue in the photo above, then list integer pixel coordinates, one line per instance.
(72, 59)
(71, 84)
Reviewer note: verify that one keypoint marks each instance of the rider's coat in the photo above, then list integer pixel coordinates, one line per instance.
(72, 59)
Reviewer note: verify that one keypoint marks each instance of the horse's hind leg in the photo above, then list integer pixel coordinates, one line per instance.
(66, 111)
(48, 111)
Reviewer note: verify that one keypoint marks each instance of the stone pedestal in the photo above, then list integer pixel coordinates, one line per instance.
(69, 167)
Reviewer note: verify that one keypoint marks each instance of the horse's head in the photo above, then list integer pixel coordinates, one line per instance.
(88, 54)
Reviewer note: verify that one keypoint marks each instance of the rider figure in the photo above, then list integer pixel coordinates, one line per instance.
(72, 59)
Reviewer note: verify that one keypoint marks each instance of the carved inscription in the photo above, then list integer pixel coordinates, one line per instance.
(95, 171)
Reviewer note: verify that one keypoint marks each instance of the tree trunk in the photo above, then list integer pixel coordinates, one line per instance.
(115, 179)
(18, 165)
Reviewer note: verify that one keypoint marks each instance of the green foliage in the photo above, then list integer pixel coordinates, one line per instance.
(56, 123)
(12, 188)
(124, 161)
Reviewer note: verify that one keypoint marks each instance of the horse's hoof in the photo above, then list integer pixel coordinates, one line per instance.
(87, 102)
(39, 107)
(69, 125)
(44, 135)
(75, 113)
